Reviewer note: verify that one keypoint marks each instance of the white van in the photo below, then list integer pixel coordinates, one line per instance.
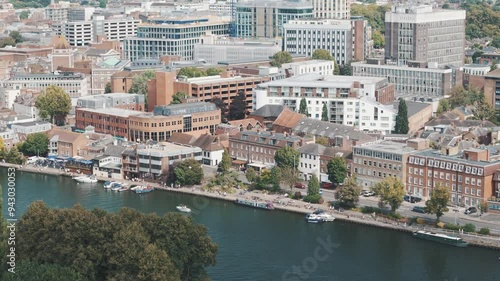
(32, 160)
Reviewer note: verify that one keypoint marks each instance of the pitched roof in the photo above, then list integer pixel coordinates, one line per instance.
(208, 142)
(182, 138)
(245, 122)
(65, 136)
(114, 150)
(288, 118)
(414, 107)
(268, 110)
(330, 130)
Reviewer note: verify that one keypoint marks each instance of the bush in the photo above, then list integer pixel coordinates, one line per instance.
(395, 216)
(315, 199)
(420, 221)
(370, 210)
(297, 195)
(469, 227)
(484, 231)
(440, 224)
(451, 226)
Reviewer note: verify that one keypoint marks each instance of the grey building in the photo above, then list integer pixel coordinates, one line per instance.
(266, 18)
(423, 35)
(119, 100)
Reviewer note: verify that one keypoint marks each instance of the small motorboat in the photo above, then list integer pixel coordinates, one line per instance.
(183, 208)
(116, 186)
(144, 189)
(124, 188)
(86, 179)
(109, 184)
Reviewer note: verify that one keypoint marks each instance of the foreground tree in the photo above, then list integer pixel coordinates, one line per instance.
(188, 172)
(348, 194)
(140, 84)
(126, 245)
(437, 204)
(324, 113)
(54, 103)
(391, 191)
(402, 126)
(13, 156)
(337, 170)
(443, 106)
(225, 163)
(238, 107)
(288, 176)
(303, 107)
(280, 58)
(35, 144)
(287, 157)
(251, 175)
(42, 272)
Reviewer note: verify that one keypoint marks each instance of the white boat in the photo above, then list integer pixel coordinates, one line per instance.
(135, 187)
(109, 184)
(85, 179)
(183, 208)
(116, 186)
(124, 188)
(319, 216)
(312, 218)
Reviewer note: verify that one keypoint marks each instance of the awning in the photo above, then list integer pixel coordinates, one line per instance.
(239, 162)
(258, 165)
(52, 156)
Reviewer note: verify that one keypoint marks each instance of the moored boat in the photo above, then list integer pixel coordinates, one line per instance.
(86, 179)
(312, 218)
(319, 215)
(441, 238)
(108, 184)
(144, 189)
(255, 204)
(116, 186)
(183, 208)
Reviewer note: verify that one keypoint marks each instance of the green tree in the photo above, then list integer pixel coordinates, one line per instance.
(280, 58)
(443, 106)
(108, 89)
(35, 144)
(437, 204)
(191, 72)
(391, 191)
(33, 271)
(225, 163)
(337, 170)
(7, 41)
(402, 126)
(54, 102)
(140, 84)
(188, 172)
(322, 54)
(303, 107)
(378, 39)
(211, 71)
(481, 21)
(313, 186)
(324, 113)
(483, 207)
(103, 4)
(263, 180)
(483, 111)
(323, 141)
(251, 175)
(287, 156)
(446, 6)
(220, 104)
(13, 156)
(289, 176)
(177, 97)
(496, 41)
(493, 66)
(276, 178)
(346, 70)
(16, 36)
(348, 194)
(373, 13)
(24, 15)
(238, 107)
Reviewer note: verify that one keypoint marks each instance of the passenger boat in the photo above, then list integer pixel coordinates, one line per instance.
(183, 208)
(255, 204)
(441, 238)
(85, 179)
(144, 189)
(319, 215)
(312, 218)
(109, 184)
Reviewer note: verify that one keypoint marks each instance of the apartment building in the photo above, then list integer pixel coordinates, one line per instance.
(332, 9)
(492, 88)
(58, 12)
(303, 37)
(168, 119)
(257, 149)
(362, 42)
(225, 86)
(176, 37)
(322, 67)
(80, 13)
(351, 100)
(265, 19)
(314, 160)
(372, 162)
(418, 33)
(469, 174)
(409, 82)
(74, 84)
(102, 72)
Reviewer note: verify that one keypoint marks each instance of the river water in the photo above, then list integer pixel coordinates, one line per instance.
(263, 245)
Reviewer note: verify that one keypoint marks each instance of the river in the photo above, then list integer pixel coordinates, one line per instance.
(274, 245)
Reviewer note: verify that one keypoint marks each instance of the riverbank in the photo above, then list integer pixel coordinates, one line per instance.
(284, 204)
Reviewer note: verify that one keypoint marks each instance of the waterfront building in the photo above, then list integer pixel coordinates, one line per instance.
(492, 88)
(113, 121)
(176, 37)
(314, 160)
(410, 82)
(65, 143)
(109, 164)
(332, 9)
(165, 120)
(372, 162)
(74, 84)
(257, 149)
(303, 37)
(351, 100)
(418, 33)
(266, 19)
(468, 173)
(211, 147)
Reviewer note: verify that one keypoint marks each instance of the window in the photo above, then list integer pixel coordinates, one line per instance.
(479, 183)
(429, 173)
(409, 179)
(466, 180)
(453, 177)
(459, 178)
(410, 170)
(478, 192)
(441, 175)
(473, 181)
(466, 190)
(447, 176)
(454, 187)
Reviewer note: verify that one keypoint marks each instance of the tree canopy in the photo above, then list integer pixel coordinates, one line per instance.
(107, 88)
(225, 163)
(281, 58)
(126, 245)
(238, 107)
(402, 126)
(375, 15)
(481, 21)
(140, 84)
(177, 97)
(437, 204)
(220, 104)
(378, 39)
(188, 172)
(348, 194)
(313, 186)
(322, 54)
(33, 271)
(337, 170)
(287, 156)
(303, 107)
(35, 144)
(54, 102)
(324, 113)
(391, 191)
(191, 71)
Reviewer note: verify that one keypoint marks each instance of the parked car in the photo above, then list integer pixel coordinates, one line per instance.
(419, 209)
(320, 192)
(300, 185)
(412, 199)
(471, 210)
(327, 185)
(369, 193)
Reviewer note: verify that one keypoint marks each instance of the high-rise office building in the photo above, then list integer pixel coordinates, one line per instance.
(422, 35)
(332, 9)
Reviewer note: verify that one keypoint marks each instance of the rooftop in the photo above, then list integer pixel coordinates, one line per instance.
(387, 146)
(113, 111)
(493, 150)
(330, 130)
(167, 149)
(413, 107)
(33, 123)
(321, 81)
(184, 108)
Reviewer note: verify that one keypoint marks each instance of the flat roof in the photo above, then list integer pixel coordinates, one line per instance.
(167, 149)
(112, 111)
(387, 146)
(321, 80)
(32, 123)
(457, 158)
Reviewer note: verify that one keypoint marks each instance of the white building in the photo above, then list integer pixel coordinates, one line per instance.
(303, 37)
(80, 13)
(476, 69)
(31, 127)
(8, 96)
(77, 33)
(220, 7)
(109, 164)
(57, 12)
(322, 67)
(350, 100)
(332, 9)
(74, 84)
(25, 105)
